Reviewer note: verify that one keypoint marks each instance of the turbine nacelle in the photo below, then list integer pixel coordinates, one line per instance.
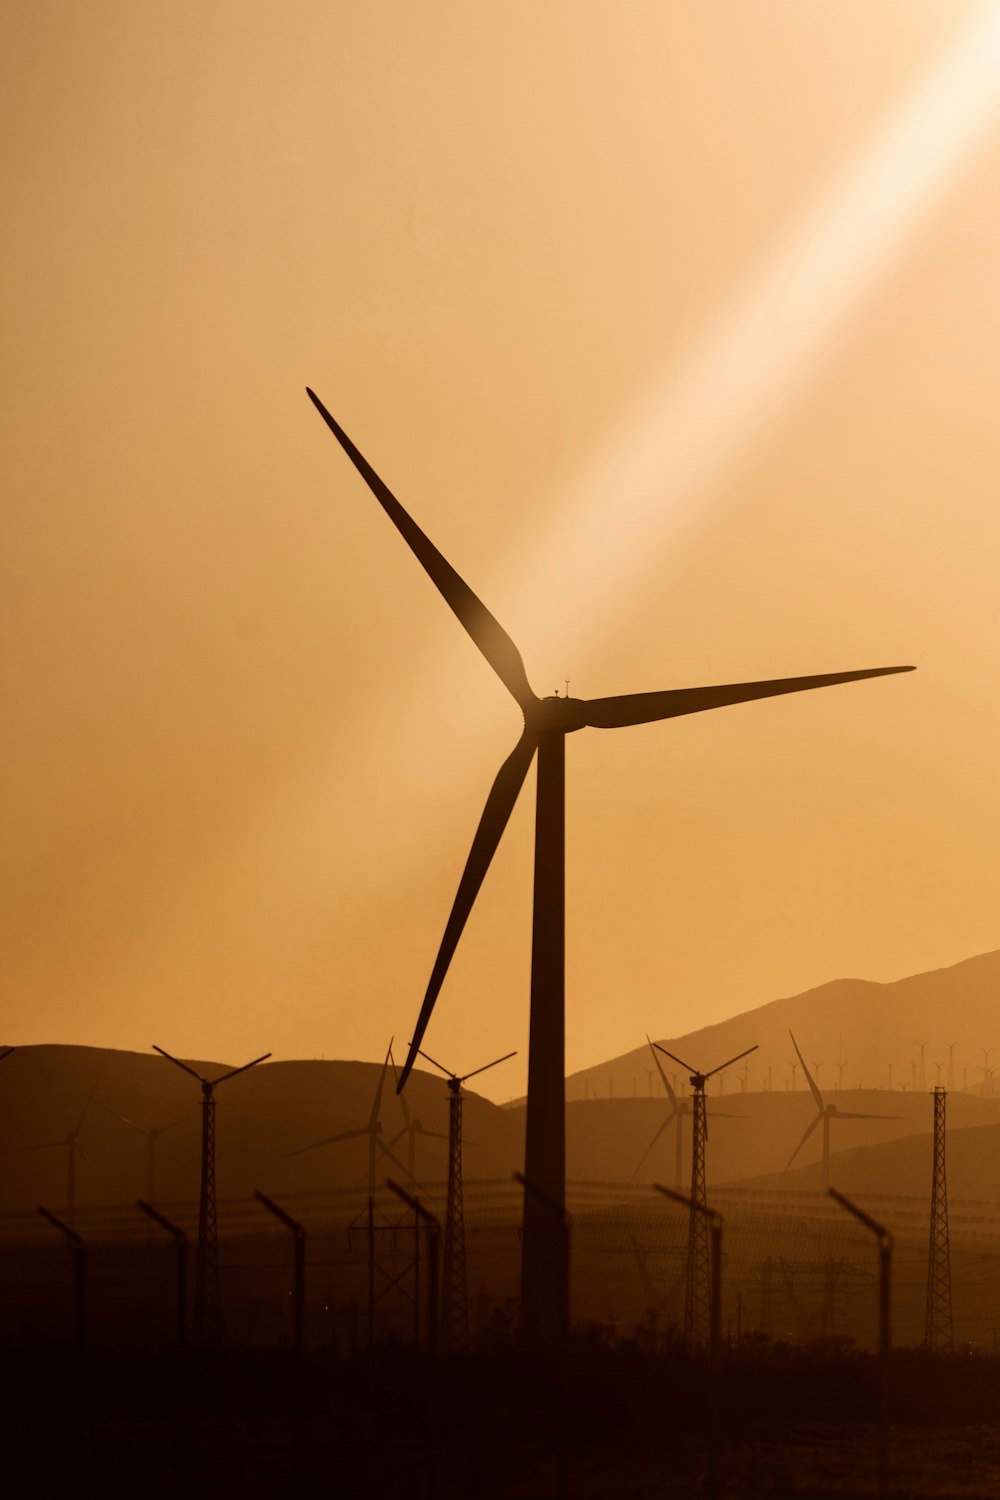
(555, 714)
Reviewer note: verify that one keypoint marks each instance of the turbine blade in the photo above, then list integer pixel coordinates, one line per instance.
(672, 1115)
(496, 814)
(677, 1059)
(246, 1066)
(178, 1064)
(487, 1065)
(402, 1097)
(426, 1055)
(809, 1078)
(345, 1135)
(732, 1060)
(35, 1146)
(809, 1130)
(385, 1150)
(647, 708)
(487, 633)
(90, 1096)
(666, 1081)
(849, 1114)
(377, 1101)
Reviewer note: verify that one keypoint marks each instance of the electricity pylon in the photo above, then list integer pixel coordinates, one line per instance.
(938, 1331)
(698, 1289)
(454, 1290)
(207, 1298)
(680, 1110)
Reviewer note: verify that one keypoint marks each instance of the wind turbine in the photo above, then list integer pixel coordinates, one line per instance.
(698, 1294)
(825, 1113)
(547, 722)
(680, 1110)
(71, 1142)
(411, 1129)
(372, 1128)
(207, 1297)
(151, 1137)
(455, 1299)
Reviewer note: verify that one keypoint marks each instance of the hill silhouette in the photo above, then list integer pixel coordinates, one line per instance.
(855, 1029)
(262, 1116)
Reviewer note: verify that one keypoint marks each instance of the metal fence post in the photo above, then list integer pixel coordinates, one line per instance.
(714, 1334)
(299, 1293)
(181, 1246)
(884, 1240)
(80, 1256)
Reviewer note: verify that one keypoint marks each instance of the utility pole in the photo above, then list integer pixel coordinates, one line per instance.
(698, 1289)
(455, 1294)
(207, 1294)
(938, 1329)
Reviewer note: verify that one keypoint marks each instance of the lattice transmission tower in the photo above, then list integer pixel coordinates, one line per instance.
(938, 1329)
(207, 1293)
(454, 1286)
(698, 1285)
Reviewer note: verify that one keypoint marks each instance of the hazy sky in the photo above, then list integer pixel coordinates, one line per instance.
(677, 328)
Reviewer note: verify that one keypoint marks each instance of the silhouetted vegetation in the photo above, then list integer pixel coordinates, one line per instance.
(620, 1420)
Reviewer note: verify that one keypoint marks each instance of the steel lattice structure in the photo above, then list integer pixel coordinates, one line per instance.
(698, 1292)
(454, 1291)
(938, 1328)
(207, 1297)
(455, 1295)
(207, 1294)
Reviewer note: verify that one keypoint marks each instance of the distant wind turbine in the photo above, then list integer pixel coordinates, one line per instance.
(372, 1129)
(825, 1113)
(71, 1142)
(547, 722)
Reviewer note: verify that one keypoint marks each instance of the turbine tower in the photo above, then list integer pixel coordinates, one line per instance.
(151, 1137)
(207, 1299)
(547, 722)
(938, 1330)
(698, 1288)
(455, 1294)
(825, 1113)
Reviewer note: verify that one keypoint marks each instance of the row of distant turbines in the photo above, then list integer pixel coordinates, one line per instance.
(891, 1080)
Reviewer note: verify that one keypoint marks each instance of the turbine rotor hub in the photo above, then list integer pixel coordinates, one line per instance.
(563, 715)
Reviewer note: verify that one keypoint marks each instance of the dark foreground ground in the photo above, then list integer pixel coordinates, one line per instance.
(602, 1423)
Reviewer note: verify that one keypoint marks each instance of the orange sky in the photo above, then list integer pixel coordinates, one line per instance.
(245, 745)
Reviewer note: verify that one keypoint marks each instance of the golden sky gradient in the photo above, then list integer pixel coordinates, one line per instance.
(676, 327)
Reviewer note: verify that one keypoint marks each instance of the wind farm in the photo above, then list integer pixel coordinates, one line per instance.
(631, 1117)
(547, 722)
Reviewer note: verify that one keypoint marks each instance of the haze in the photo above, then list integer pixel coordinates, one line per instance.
(512, 248)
